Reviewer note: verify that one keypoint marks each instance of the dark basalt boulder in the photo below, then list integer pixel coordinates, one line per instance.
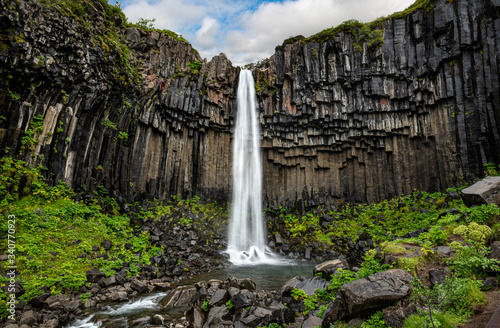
(486, 191)
(373, 292)
(178, 297)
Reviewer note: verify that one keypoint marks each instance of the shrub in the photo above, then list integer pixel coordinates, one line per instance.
(470, 259)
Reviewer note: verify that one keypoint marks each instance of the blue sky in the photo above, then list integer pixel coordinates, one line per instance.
(248, 31)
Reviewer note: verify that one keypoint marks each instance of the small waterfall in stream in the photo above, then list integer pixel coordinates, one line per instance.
(247, 233)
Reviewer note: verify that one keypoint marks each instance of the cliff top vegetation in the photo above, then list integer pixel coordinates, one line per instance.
(371, 32)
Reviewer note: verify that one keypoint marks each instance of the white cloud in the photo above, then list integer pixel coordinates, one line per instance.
(205, 36)
(271, 23)
(173, 15)
(248, 32)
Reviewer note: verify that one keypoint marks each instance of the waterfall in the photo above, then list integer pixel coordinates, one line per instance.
(247, 233)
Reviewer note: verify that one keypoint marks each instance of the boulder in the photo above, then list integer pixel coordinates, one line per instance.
(495, 250)
(376, 291)
(139, 286)
(242, 300)
(52, 323)
(178, 297)
(29, 318)
(286, 289)
(312, 322)
(247, 284)
(309, 286)
(218, 314)
(220, 297)
(330, 267)
(196, 317)
(118, 296)
(57, 302)
(437, 276)
(160, 319)
(486, 191)
(373, 292)
(251, 321)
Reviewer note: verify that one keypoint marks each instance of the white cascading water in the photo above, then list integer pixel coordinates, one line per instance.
(247, 233)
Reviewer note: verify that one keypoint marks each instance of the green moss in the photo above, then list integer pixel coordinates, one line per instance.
(391, 247)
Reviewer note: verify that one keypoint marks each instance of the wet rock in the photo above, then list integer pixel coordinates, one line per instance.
(178, 297)
(247, 283)
(242, 300)
(118, 296)
(141, 320)
(160, 319)
(220, 297)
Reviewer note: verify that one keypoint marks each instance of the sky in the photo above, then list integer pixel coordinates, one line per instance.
(248, 30)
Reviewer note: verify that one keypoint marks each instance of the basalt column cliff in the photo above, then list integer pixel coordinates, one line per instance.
(363, 121)
(413, 105)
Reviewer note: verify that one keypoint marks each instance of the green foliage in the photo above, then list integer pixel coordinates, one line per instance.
(229, 304)
(108, 124)
(470, 259)
(30, 138)
(349, 27)
(13, 95)
(195, 67)
(371, 265)
(273, 325)
(483, 213)
(204, 306)
(145, 23)
(298, 294)
(392, 247)
(384, 220)
(52, 231)
(85, 296)
(375, 321)
(338, 279)
(447, 304)
(123, 135)
(491, 169)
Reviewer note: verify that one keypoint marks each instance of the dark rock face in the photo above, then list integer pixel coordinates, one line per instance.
(420, 112)
(337, 123)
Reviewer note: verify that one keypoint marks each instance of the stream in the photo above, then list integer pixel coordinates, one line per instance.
(132, 313)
